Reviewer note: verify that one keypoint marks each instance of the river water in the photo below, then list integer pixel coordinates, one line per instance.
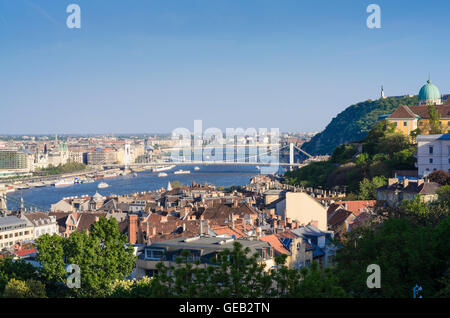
(226, 175)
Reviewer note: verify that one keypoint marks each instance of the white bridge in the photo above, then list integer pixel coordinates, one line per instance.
(248, 161)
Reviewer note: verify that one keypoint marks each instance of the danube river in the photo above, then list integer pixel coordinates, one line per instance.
(144, 181)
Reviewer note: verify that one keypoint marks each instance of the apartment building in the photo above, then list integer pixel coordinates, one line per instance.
(433, 153)
(14, 230)
(202, 248)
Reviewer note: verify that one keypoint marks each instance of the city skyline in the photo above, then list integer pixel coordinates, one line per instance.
(159, 65)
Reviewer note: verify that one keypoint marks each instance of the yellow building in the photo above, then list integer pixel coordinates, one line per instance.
(409, 118)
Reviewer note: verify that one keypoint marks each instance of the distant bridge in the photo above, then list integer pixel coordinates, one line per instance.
(251, 160)
(197, 163)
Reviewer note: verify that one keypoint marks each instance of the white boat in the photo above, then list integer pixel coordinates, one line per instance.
(182, 172)
(162, 174)
(196, 168)
(64, 183)
(163, 168)
(103, 185)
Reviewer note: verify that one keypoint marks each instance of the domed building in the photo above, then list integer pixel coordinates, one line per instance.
(409, 118)
(429, 94)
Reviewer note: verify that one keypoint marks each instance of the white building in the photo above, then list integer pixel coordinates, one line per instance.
(433, 153)
(42, 223)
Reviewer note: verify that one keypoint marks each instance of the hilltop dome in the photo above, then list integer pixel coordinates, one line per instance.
(429, 94)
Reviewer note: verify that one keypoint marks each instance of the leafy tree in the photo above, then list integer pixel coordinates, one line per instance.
(440, 176)
(309, 282)
(419, 212)
(132, 288)
(15, 269)
(24, 289)
(416, 132)
(176, 184)
(102, 255)
(435, 120)
(363, 159)
(368, 188)
(407, 254)
(234, 274)
(52, 260)
(444, 195)
(68, 167)
(343, 153)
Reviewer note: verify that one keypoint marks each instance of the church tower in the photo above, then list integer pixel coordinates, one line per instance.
(382, 93)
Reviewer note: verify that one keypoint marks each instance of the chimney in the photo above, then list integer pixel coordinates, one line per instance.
(406, 182)
(154, 231)
(315, 223)
(201, 227)
(235, 202)
(184, 227)
(392, 181)
(232, 221)
(132, 228)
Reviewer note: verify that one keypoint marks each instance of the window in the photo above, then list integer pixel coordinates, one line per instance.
(307, 263)
(431, 160)
(448, 150)
(151, 272)
(154, 254)
(448, 160)
(430, 150)
(405, 123)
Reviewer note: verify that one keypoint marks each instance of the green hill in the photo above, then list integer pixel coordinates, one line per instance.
(383, 151)
(353, 123)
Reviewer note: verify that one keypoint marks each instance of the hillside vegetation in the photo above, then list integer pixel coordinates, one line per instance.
(383, 150)
(353, 124)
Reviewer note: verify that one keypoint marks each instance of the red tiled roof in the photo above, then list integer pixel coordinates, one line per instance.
(24, 252)
(339, 217)
(286, 234)
(275, 243)
(357, 206)
(402, 112)
(420, 111)
(225, 229)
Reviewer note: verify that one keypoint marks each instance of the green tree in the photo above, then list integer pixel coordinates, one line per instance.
(407, 253)
(434, 120)
(368, 188)
(15, 269)
(24, 289)
(103, 256)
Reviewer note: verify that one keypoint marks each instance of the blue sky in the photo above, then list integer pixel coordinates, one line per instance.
(149, 66)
